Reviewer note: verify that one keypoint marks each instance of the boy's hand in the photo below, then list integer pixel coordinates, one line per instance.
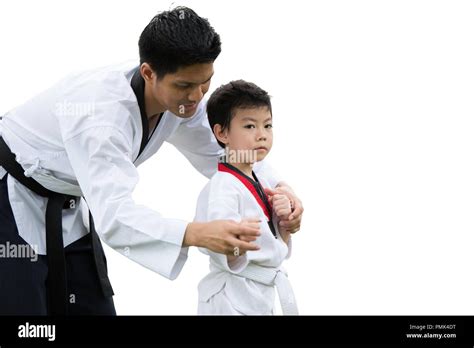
(281, 206)
(293, 223)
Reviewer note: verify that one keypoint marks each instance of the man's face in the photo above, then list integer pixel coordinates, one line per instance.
(182, 91)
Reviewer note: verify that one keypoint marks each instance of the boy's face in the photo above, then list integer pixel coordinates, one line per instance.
(182, 91)
(250, 130)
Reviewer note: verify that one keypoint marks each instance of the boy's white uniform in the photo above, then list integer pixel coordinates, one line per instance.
(246, 285)
(82, 138)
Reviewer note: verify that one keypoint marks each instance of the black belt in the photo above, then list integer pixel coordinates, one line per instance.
(56, 281)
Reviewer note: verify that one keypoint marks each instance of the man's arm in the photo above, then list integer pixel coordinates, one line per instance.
(221, 236)
(107, 177)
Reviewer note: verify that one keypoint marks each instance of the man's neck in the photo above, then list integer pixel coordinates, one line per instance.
(152, 108)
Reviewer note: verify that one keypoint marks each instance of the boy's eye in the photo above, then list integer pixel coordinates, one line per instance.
(269, 126)
(249, 126)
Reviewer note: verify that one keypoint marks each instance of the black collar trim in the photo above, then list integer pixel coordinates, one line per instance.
(138, 87)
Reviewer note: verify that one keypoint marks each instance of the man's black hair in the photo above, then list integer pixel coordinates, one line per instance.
(178, 38)
(227, 98)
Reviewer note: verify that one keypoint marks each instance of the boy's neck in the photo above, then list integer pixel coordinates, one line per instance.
(245, 168)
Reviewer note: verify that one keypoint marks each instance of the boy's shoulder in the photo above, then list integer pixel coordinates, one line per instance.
(220, 185)
(223, 183)
(228, 180)
(223, 178)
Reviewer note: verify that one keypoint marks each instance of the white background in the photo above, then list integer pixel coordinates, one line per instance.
(374, 123)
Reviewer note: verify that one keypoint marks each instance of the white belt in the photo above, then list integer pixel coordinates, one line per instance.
(273, 277)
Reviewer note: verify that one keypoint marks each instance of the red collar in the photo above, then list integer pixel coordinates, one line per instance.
(252, 185)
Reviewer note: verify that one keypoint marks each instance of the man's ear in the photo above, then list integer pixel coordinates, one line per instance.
(147, 72)
(220, 134)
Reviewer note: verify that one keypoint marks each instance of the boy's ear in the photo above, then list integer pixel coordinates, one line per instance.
(220, 134)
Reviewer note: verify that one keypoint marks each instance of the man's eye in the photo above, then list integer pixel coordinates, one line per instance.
(183, 86)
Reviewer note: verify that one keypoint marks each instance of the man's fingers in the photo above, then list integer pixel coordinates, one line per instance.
(256, 219)
(293, 225)
(247, 238)
(298, 212)
(245, 246)
(249, 230)
(249, 227)
(291, 229)
(255, 225)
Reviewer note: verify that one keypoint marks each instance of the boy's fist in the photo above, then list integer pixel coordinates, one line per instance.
(281, 206)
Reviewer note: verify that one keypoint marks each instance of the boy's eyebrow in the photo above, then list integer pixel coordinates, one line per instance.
(248, 118)
(194, 83)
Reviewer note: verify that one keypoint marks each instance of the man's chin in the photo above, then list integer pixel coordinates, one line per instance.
(185, 114)
(181, 114)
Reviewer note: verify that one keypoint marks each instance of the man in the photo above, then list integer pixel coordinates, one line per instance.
(84, 138)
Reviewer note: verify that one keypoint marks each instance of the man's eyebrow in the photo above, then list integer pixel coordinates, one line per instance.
(194, 83)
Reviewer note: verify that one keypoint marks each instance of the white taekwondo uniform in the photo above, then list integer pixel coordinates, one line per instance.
(247, 284)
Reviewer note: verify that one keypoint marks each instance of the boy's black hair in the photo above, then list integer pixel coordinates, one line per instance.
(178, 38)
(235, 94)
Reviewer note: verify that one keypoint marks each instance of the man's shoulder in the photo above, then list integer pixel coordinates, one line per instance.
(113, 80)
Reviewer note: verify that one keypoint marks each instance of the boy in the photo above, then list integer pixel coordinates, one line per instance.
(240, 116)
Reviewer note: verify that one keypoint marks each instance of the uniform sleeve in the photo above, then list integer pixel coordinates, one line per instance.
(195, 140)
(223, 204)
(100, 158)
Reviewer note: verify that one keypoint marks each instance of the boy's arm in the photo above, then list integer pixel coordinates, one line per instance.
(224, 202)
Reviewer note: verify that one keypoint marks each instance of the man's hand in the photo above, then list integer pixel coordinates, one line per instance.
(223, 236)
(293, 223)
(282, 206)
